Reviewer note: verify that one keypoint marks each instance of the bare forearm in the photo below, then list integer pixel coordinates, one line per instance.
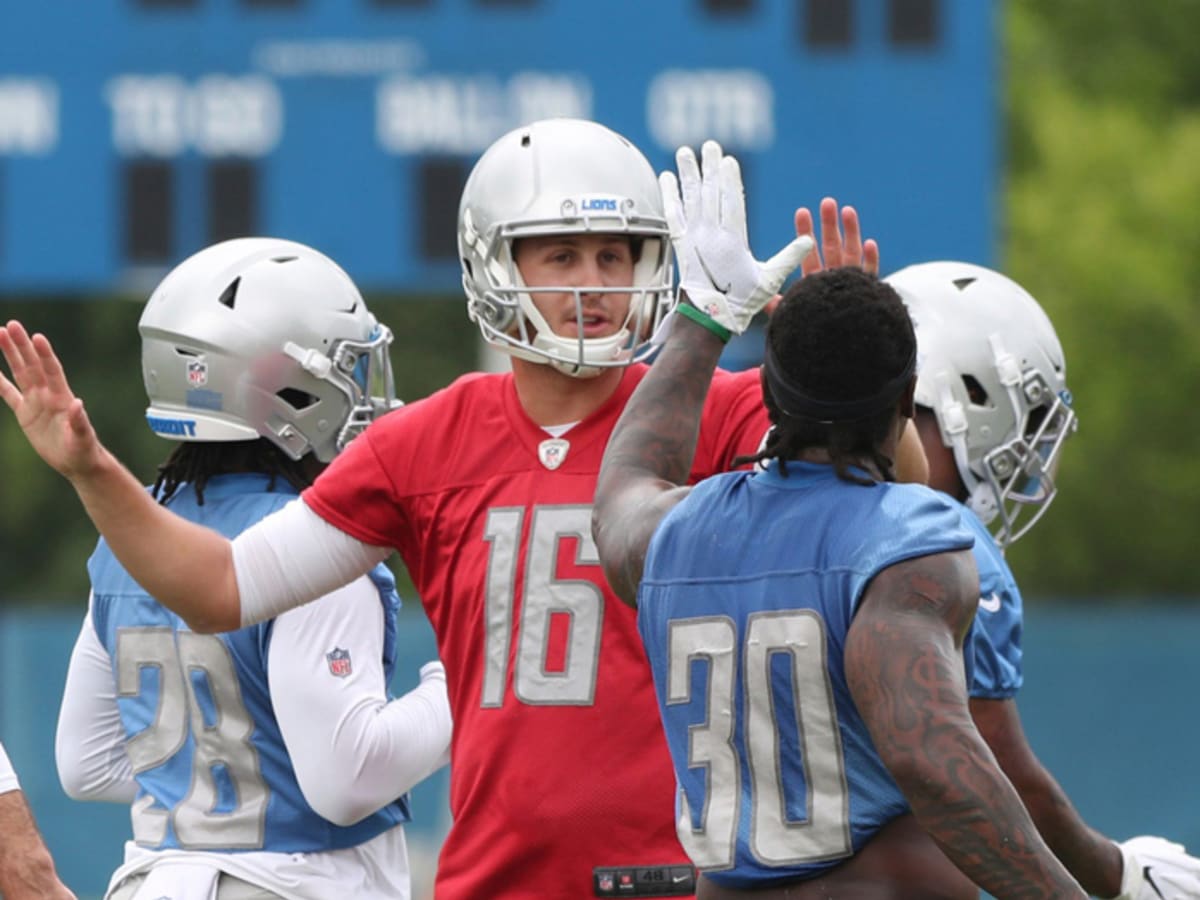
(650, 452)
(1091, 857)
(979, 822)
(903, 662)
(956, 790)
(26, 869)
(186, 567)
(656, 434)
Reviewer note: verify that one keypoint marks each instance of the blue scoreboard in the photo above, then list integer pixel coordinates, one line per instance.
(133, 132)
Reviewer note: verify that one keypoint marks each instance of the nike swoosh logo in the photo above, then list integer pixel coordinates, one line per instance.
(990, 604)
(680, 879)
(1150, 881)
(711, 279)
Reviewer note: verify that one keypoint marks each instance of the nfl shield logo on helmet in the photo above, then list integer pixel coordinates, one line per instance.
(197, 372)
(339, 662)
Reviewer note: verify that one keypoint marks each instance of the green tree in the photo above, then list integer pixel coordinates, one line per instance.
(1103, 227)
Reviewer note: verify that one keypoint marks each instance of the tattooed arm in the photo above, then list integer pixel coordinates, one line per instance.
(1090, 856)
(904, 668)
(649, 455)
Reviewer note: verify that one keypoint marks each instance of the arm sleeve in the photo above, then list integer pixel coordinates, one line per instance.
(353, 751)
(997, 655)
(292, 557)
(89, 747)
(8, 775)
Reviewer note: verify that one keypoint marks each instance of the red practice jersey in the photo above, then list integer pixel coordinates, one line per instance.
(558, 760)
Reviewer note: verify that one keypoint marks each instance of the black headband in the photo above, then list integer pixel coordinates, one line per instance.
(794, 402)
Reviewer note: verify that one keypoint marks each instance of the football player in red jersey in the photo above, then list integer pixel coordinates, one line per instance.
(561, 785)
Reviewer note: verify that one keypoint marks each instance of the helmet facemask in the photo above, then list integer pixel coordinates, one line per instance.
(1012, 485)
(562, 177)
(509, 317)
(991, 369)
(361, 370)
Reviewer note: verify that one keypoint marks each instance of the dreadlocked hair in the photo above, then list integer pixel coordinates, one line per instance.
(195, 462)
(838, 335)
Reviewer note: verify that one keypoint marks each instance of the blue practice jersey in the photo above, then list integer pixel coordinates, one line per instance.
(996, 636)
(749, 588)
(212, 769)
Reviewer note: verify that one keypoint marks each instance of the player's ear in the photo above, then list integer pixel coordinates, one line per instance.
(908, 404)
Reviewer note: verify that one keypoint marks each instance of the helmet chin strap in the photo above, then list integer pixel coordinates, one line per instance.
(982, 497)
(952, 420)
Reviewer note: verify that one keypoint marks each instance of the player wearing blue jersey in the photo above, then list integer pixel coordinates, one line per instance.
(266, 762)
(805, 623)
(26, 867)
(993, 411)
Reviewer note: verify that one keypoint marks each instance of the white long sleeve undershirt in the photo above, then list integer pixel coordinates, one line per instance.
(353, 751)
(8, 775)
(292, 557)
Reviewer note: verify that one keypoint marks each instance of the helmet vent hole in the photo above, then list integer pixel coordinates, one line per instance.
(975, 392)
(284, 259)
(296, 398)
(963, 283)
(229, 295)
(525, 140)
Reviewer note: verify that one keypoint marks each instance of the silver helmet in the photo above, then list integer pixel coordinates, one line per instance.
(562, 176)
(991, 369)
(263, 337)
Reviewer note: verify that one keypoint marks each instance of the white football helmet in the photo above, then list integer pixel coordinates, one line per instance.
(263, 337)
(562, 176)
(991, 369)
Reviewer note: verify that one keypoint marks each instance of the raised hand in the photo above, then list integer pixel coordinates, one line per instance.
(52, 417)
(836, 249)
(706, 211)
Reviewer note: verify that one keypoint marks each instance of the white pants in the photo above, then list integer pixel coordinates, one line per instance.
(187, 882)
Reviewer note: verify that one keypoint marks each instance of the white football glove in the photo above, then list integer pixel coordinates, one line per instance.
(1157, 869)
(706, 212)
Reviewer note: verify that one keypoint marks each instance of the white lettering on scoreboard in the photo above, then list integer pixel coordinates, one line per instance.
(735, 107)
(28, 116)
(464, 114)
(217, 115)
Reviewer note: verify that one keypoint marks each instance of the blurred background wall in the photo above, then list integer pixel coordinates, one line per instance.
(1057, 142)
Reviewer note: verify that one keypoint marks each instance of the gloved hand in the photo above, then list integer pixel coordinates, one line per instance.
(1157, 869)
(706, 212)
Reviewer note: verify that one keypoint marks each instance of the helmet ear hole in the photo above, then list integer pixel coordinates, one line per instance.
(975, 391)
(297, 399)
